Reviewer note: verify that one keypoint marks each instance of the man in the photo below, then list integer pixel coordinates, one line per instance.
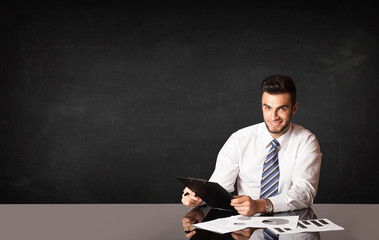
(276, 164)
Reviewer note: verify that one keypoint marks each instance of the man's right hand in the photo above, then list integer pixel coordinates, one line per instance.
(190, 199)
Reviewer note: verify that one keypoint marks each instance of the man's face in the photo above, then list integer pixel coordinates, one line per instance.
(277, 112)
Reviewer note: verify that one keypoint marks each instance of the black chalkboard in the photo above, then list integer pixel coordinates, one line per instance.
(100, 100)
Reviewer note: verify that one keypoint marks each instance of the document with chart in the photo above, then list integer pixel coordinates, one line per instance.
(277, 224)
(313, 225)
(238, 222)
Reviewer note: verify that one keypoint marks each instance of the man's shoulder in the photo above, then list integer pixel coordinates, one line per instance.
(301, 132)
(250, 131)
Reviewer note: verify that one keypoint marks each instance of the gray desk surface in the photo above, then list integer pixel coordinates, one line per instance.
(149, 221)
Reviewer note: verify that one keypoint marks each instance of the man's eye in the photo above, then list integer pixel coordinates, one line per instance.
(283, 109)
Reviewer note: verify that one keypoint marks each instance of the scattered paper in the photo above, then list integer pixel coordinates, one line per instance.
(238, 222)
(277, 224)
(313, 225)
(265, 222)
(220, 225)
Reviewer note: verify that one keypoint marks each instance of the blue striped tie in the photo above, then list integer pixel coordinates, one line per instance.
(270, 181)
(270, 175)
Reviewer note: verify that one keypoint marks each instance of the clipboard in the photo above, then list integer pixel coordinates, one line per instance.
(211, 192)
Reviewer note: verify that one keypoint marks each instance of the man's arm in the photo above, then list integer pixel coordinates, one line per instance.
(227, 166)
(305, 178)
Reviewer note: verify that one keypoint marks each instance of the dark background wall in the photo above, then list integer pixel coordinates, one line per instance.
(107, 103)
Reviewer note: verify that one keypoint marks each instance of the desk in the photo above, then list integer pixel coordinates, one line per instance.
(148, 221)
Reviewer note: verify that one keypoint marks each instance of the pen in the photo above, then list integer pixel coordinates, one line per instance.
(187, 193)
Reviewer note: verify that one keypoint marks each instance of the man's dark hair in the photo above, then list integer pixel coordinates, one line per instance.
(277, 84)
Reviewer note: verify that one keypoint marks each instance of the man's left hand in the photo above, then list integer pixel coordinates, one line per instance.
(245, 205)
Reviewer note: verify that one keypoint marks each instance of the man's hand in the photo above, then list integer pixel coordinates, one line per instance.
(190, 199)
(247, 206)
(192, 217)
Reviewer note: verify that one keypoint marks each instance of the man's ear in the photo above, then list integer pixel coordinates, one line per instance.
(295, 107)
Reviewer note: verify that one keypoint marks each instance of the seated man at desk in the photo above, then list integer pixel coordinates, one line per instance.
(275, 164)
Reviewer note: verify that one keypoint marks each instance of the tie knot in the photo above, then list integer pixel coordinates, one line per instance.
(275, 143)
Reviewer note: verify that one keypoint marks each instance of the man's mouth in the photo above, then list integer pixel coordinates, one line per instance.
(275, 124)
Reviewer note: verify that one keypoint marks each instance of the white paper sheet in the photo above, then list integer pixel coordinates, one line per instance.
(238, 222)
(220, 225)
(265, 222)
(314, 225)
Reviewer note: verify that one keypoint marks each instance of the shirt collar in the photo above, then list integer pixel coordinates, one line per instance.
(283, 140)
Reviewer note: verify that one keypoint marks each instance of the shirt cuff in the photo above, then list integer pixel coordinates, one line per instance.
(280, 204)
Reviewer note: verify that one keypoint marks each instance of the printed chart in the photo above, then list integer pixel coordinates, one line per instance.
(234, 223)
(314, 225)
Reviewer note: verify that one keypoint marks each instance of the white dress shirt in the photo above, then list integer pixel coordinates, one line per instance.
(242, 157)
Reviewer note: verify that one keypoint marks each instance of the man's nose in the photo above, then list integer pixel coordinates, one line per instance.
(274, 115)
